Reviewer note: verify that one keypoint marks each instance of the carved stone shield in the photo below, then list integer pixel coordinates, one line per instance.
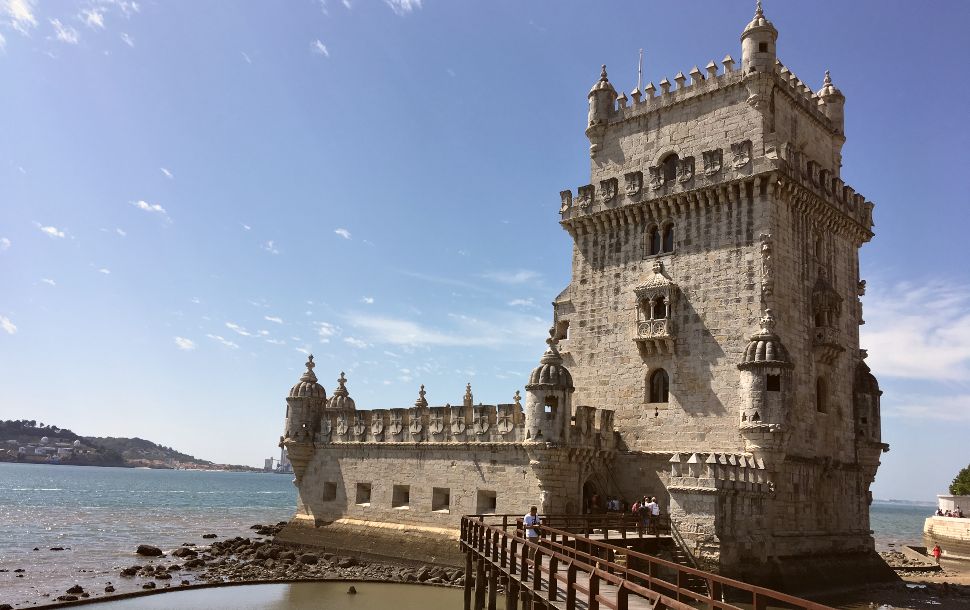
(741, 153)
(414, 424)
(505, 419)
(377, 423)
(457, 422)
(608, 189)
(436, 420)
(397, 422)
(634, 183)
(342, 424)
(656, 177)
(685, 169)
(359, 425)
(480, 420)
(326, 426)
(586, 196)
(712, 161)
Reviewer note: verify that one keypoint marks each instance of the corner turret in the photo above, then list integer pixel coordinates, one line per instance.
(548, 397)
(766, 380)
(304, 406)
(341, 400)
(602, 100)
(758, 44)
(832, 103)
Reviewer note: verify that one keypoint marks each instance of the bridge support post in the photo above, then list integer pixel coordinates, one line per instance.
(480, 584)
(511, 593)
(468, 580)
(492, 586)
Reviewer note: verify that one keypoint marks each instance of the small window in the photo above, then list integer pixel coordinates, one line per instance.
(562, 330)
(441, 500)
(821, 395)
(653, 241)
(550, 406)
(762, 47)
(668, 243)
(487, 502)
(670, 167)
(363, 494)
(329, 491)
(401, 497)
(659, 386)
(773, 383)
(659, 309)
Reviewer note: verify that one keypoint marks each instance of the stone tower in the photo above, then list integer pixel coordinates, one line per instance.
(712, 208)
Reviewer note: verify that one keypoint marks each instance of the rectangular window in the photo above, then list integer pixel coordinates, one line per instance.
(363, 494)
(441, 500)
(401, 497)
(487, 502)
(773, 383)
(329, 491)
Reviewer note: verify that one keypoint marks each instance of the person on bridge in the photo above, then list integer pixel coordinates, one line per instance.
(530, 523)
(653, 520)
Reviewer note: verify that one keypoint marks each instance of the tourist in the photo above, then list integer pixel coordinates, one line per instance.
(939, 512)
(937, 551)
(531, 522)
(642, 510)
(654, 509)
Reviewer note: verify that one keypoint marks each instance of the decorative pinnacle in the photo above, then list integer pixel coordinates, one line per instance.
(309, 363)
(517, 398)
(828, 78)
(768, 323)
(603, 74)
(468, 390)
(342, 383)
(421, 401)
(758, 12)
(552, 341)
(308, 375)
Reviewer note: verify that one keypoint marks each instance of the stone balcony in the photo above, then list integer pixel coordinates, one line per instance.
(656, 336)
(827, 342)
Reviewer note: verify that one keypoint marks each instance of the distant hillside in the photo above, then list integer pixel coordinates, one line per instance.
(28, 441)
(139, 450)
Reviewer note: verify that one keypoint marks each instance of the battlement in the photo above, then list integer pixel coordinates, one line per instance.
(718, 471)
(504, 423)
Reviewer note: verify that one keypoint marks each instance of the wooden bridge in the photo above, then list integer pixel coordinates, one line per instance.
(574, 566)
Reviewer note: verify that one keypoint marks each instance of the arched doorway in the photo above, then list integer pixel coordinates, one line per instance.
(593, 500)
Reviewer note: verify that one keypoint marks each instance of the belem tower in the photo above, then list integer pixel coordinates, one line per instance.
(706, 349)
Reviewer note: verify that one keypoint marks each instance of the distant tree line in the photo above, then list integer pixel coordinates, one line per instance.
(961, 483)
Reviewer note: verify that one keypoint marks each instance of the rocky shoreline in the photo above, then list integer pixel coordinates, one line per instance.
(240, 560)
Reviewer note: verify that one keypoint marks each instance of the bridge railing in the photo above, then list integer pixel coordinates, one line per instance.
(558, 556)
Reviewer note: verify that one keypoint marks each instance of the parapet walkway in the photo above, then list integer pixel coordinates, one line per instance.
(578, 569)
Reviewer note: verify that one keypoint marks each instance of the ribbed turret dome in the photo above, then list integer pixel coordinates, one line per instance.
(550, 374)
(341, 397)
(603, 84)
(828, 89)
(759, 21)
(308, 387)
(765, 347)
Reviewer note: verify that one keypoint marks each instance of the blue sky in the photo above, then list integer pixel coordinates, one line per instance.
(191, 193)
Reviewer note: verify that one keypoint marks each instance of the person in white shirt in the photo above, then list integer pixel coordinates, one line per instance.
(654, 515)
(530, 523)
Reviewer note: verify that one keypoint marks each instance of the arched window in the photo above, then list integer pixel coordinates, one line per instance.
(653, 240)
(821, 395)
(659, 309)
(659, 386)
(670, 167)
(668, 244)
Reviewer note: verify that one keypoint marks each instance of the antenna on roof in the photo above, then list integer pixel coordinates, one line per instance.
(640, 71)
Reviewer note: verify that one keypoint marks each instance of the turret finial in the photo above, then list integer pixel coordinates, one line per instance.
(308, 375)
(309, 363)
(758, 12)
(552, 341)
(828, 78)
(421, 401)
(517, 398)
(768, 322)
(603, 74)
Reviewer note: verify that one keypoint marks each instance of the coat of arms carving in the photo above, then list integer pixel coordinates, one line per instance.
(457, 421)
(377, 423)
(656, 177)
(397, 422)
(326, 426)
(741, 153)
(712, 161)
(567, 200)
(586, 196)
(480, 420)
(342, 424)
(608, 189)
(415, 426)
(359, 425)
(634, 183)
(505, 419)
(436, 420)
(685, 169)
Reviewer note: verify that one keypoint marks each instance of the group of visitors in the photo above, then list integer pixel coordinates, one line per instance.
(647, 511)
(615, 504)
(957, 512)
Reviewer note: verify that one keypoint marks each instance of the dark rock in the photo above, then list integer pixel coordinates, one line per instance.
(149, 550)
(163, 576)
(36, 549)
(208, 536)
(194, 563)
(309, 559)
(67, 598)
(109, 589)
(130, 571)
(352, 590)
(19, 570)
(85, 595)
(423, 575)
(174, 567)
(346, 562)
(76, 590)
(184, 583)
(6, 607)
(184, 552)
(57, 548)
(149, 585)
(288, 556)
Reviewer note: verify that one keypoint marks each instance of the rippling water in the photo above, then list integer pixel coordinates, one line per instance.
(99, 515)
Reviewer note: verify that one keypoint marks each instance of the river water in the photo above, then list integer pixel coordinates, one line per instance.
(100, 515)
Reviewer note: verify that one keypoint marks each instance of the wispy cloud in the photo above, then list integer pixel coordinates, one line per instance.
(184, 344)
(121, 232)
(104, 271)
(353, 342)
(368, 300)
(931, 320)
(403, 7)
(276, 341)
(7, 326)
(4, 244)
(326, 330)
(520, 276)
(246, 227)
(270, 247)
(151, 208)
(319, 48)
(51, 231)
(223, 341)
(19, 14)
(464, 331)
(347, 4)
(168, 173)
(275, 319)
(238, 329)
(246, 57)
(92, 17)
(125, 38)
(522, 303)
(948, 408)
(48, 281)
(3, 43)
(64, 33)
(342, 233)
